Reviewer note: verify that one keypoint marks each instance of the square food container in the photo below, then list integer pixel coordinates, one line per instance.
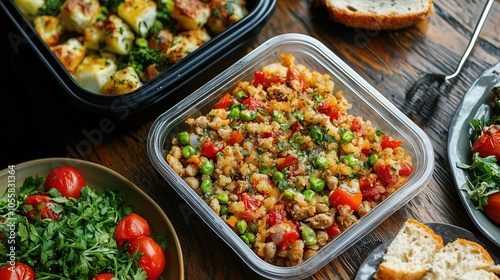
(366, 101)
(160, 87)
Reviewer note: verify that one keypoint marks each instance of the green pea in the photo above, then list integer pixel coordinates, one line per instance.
(188, 151)
(317, 184)
(183, 138)
(207, 168)
(308, 195)
(206, 186)
(321, 162)
(326, 200)
(351, 160)
(373, 159)
(289, 194)
(264, 169)
(317, 134)
(248, 238)
(142, 42)
(309, 236)
(234, 113)
(223, 209)
(241, 226)
(240, 94)
(248, 115)
(347, 136)
(223, 198)
(278, 177)
(278, 117)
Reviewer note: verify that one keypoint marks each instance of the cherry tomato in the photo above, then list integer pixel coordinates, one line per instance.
(41, 205)
(152, 260)
(19, 271)
(344, 197)
(209, 149)
(129, 228)
(371, 189)
(104, 276)
(252, 103)
(67, 180)
(492, 209)
(488, 143)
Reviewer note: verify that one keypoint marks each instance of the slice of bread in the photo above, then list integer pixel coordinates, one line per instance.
(410, 253)
(378, 14)
(461, 259)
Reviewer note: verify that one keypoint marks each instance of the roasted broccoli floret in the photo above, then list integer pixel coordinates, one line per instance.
(112, 5)
(141, 56)
(50, 7)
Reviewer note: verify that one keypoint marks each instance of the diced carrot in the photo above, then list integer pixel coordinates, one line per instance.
(232, 221)
(194, 159)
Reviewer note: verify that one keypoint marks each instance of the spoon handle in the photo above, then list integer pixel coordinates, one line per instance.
(473, 39)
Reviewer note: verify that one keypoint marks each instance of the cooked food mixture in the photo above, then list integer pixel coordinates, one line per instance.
(57, 227)
(112, 47)
(281, 160)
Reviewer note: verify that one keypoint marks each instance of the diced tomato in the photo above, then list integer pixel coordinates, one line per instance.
(406, 169)
(333, 230)
(388, 142)
(235, 138)
(356, 125)
(252, 103)
(488, 143)
(329, 110)
(370, 190)
(345, 197)
(287, 161)
(260, 78)
(275, 216)
(288, 239)
(296, 126)
(386, 174)
(225, 101)
(209, 149)
(249, 201)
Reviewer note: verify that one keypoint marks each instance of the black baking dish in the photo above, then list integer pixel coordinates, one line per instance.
(166, 83)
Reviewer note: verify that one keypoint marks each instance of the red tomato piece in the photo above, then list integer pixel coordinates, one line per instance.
(275, 216)
(41, 206)
(259, 78)
(252, 103)
(492, 209)
(67, 180)
(488, 143)
(104, 276)
(370, 190)
(225, 101)
(287, 161)
(329, 110)
(129, 228)
(333, 230)
(406, 169)
(344, 197)
(386, 174)
(288, 239)
(18, 271)
(209, 149)
(152, 259)
(388, 142)
(235, 138)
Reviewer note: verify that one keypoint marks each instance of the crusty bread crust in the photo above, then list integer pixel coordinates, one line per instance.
(377, 20)
(425, 244)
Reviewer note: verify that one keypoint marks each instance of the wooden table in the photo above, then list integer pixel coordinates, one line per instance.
(38, 121)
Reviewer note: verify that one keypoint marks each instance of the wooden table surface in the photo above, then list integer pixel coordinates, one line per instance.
(39, 122)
